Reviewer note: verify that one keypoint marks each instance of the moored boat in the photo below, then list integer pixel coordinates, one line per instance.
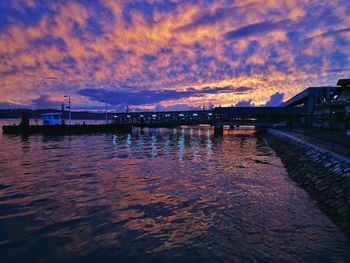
(53, 124)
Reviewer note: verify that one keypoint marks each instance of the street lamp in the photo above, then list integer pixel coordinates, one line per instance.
(332, 97)
(70, 109)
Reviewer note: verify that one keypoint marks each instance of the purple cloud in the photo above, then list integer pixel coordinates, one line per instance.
(257, 28)
(245, 103)
(275, 100)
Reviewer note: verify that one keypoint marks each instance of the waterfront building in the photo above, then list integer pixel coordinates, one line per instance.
(341, 102)
(313, 101)
(324, 107)
(332, 111)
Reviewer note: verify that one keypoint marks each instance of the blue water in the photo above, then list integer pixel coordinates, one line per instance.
(156, 195)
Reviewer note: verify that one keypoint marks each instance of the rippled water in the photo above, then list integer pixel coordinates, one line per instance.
(156, 195)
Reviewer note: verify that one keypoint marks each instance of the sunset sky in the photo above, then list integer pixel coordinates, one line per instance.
(169, 54)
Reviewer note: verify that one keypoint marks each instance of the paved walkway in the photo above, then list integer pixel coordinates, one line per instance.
(328, 140)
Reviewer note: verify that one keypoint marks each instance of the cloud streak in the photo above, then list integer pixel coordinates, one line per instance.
(257, 28)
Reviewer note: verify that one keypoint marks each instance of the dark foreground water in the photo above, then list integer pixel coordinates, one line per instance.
(160, 195)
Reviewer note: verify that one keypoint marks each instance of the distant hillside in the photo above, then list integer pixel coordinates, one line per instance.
(36, 114)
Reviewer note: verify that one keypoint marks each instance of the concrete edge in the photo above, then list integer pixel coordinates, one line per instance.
(311, 147)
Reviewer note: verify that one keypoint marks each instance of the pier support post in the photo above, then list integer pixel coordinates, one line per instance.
(218, 128)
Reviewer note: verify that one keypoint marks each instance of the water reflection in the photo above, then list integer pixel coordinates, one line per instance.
(209, 144)
(25, 143)
(242, 142)
(156, 195)
(50, 138)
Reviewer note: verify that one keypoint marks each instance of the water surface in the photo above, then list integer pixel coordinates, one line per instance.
(179, 195)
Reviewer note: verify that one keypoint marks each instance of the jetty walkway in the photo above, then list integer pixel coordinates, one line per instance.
(329, 140)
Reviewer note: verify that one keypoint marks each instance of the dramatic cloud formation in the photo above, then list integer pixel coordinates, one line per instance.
(167, 53)
(275, 100)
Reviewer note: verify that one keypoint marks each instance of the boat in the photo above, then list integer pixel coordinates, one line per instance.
(54, 124)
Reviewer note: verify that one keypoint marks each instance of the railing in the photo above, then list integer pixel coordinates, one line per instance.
(195, 117)
(228, 115)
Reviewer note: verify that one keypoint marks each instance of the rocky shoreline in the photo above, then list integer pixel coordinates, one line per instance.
(323, 174)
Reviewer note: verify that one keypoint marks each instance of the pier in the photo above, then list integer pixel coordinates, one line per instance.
(262, 117)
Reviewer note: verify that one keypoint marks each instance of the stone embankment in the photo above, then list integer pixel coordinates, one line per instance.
(323, 174)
